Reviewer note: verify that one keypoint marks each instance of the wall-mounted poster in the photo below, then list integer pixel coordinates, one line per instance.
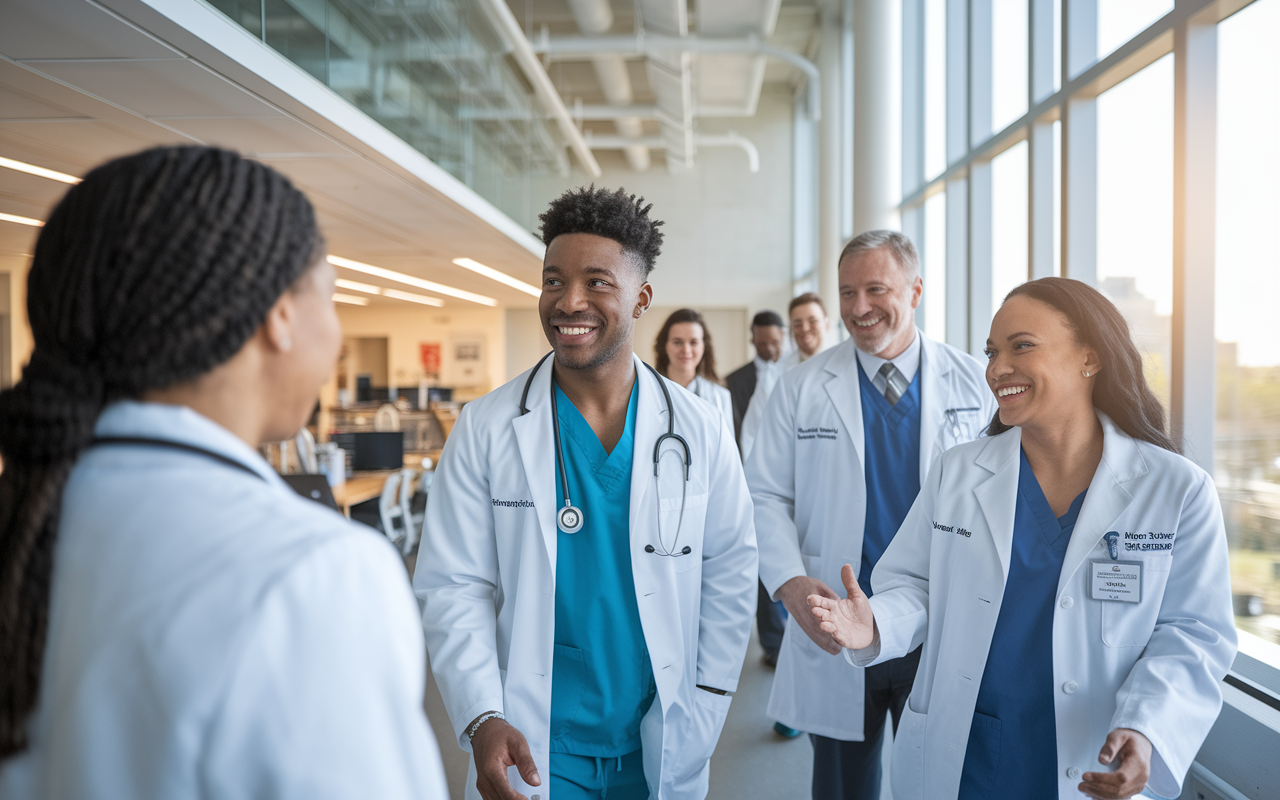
(430, 354)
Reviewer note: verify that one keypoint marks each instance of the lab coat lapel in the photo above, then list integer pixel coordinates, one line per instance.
(1107, 498)
(845, 394)
(935, 398)
(538, 454)
(998, 494)
(656, 591)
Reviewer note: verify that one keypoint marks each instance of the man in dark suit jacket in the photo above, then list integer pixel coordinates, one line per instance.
(768, 332)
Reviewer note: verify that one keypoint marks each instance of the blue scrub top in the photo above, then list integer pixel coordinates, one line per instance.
(891, 463)
(601, 676)
(1012, 749)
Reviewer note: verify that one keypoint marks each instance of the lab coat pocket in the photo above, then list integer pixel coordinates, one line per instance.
(1131, 624)
(708, 715)
(680, 527)
(906, 768)
(568, 684)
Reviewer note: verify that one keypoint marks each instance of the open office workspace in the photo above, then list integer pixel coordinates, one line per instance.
(290, 505)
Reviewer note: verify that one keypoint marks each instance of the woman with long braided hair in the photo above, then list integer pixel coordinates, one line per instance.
(174, 621)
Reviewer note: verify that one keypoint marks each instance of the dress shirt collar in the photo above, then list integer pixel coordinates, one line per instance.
(908, 363)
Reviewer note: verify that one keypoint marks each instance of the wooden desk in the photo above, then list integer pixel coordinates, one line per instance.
(360, 487)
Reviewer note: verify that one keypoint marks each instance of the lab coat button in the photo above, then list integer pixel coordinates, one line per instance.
(1070, 687)
(1066, 602)
(1073, 773)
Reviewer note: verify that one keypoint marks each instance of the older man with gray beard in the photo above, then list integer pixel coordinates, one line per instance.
(847, 438)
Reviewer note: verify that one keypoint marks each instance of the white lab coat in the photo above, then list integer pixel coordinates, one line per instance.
(486, 576)
(715, 394)
(1153, 666)
(213, 634)
(805, 474)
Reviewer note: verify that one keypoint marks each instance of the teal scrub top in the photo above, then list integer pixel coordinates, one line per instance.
(601, 677)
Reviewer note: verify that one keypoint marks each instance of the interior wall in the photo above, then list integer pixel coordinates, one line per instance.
(408, 326)
(727, 230)
(20, 342)
(727, 326)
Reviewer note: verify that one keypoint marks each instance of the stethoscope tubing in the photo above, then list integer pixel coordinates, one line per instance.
(687, 461)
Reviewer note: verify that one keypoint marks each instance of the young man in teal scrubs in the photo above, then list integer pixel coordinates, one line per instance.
(588, 578)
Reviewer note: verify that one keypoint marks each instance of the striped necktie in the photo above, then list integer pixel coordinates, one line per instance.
(895, 385)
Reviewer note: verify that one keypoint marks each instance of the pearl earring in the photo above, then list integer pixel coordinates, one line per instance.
(1086, 373)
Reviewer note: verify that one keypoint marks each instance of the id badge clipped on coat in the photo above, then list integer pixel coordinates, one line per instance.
(1115, 580)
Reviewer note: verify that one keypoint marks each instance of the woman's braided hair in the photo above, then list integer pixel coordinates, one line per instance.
(155, 269)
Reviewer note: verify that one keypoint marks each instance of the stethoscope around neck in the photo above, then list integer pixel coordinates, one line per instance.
(570, 518)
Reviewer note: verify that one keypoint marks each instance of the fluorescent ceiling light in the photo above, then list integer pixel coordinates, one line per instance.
(396, 294)
(350, 299)
(500, 277)
(357, 286)
(32, 169)
(35, 223)
(400, 277)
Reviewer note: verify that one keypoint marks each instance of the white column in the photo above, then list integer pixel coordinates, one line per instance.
(1195, 145)
(829, 161)
(877, 101)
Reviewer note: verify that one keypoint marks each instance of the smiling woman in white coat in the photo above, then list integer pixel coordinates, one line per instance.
(684, 353)
(175, 621)
(588, 562)
(1067, 577)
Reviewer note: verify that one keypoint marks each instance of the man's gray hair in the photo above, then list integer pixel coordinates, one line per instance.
(901, 247)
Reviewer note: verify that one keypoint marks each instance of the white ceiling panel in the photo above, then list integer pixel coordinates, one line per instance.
(81, 142)
(45, 29)
(261, 137)
(17, 241)
(178, 88)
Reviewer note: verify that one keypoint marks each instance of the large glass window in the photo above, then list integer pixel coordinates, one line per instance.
(1247, 447)
(935, 266)
(1121, 20)
(1135, 211)
(935, 87)
(1008, 61)
(1008, 222)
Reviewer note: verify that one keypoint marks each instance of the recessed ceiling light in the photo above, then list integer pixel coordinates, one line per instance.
(500, 277)
(350, 299)
(413, 298)
(357, 286)
(35, 223)
(32, 169)
(400, 277)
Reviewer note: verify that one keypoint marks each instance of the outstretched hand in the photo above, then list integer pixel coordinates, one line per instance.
(849, 621)
(1131, 751)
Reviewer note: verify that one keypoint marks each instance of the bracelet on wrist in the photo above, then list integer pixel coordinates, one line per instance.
(480, 720)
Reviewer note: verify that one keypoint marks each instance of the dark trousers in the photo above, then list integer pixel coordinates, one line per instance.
(771, 619)
(851, 770)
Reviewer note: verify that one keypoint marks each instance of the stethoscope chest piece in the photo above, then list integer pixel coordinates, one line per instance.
(570, 519)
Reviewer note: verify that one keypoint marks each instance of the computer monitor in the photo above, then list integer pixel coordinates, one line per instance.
(378, 450)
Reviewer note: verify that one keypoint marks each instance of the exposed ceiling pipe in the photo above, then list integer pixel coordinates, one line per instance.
(595, 17)
(509, 29)
(648, 44)
(730, 139)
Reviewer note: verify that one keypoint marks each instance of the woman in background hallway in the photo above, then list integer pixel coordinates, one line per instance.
(686, 356)
(175, 622)
(1067, 577)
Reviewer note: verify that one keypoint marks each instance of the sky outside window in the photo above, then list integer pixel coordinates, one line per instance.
(1135, 211)
(935, 87)
(1009, 59)
(1121, 20)
(935, 267)
(1009, 231)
